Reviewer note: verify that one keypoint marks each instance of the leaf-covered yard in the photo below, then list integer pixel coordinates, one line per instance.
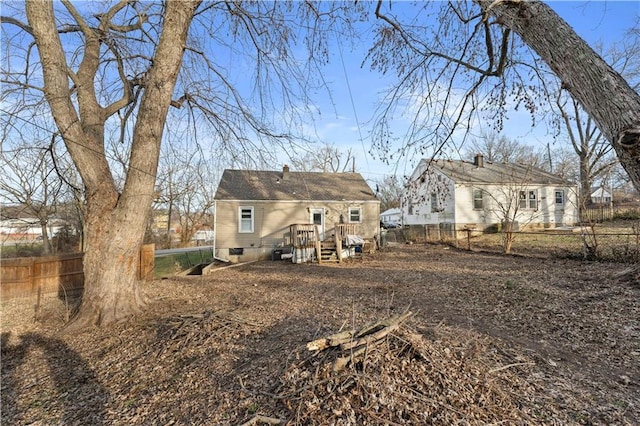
(493, 338)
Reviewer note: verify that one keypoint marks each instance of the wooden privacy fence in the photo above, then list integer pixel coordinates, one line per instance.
(596, 214)
(62, 274)
(603, 213)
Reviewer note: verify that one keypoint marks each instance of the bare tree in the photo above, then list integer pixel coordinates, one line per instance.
(592, 148)
(120, 67)
(327, 158)
(472, 66)
(114, 220)
(389, 191)
(29, 183)
(587, 142)
(186, 185)
(514, 203)
(498, 148)
(563, 162)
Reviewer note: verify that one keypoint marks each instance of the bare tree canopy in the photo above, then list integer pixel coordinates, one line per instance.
(326, 158)
(502, 149)
(109, 73)
(389, 191)
(28, 181)
(481, 57)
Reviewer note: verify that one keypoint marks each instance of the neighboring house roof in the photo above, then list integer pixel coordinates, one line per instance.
(286, 185)
(391, 212)
(600, 193)
(469, 172)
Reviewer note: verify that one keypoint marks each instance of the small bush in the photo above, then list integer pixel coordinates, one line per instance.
(630, 214)
(22, 250)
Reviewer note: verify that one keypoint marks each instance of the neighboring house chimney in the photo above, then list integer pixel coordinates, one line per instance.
(285, 172)
(478, 160)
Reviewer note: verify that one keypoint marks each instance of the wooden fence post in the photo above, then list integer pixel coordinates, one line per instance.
(146, 264)
(32, 280)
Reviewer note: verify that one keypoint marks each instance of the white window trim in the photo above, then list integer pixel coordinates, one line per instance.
(359, 209)
(527, 199)
(481, 199)
(240, 209)
(434, 202)
(561, 203)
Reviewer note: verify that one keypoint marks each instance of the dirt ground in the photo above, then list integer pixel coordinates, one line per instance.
(492, 339)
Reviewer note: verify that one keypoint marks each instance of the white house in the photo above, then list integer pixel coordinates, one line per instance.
(391, 216)
(482, 194)
(601, 196)
(27, 229)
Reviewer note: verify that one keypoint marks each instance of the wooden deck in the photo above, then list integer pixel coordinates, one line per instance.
(307, 245)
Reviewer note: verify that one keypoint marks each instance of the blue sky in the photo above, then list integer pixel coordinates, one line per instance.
(357, 91)
(595, 21)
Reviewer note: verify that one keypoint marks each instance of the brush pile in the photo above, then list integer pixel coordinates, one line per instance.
(389, 373)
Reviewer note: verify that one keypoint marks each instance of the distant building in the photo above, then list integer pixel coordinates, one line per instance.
(460, 194)
(600, 196)
(391, 217)
(255, 209)
(27, 229)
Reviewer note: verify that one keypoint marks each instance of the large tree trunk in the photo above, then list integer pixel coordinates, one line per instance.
(111, 257)
(114, 223)
(602, 92)
(112, 291)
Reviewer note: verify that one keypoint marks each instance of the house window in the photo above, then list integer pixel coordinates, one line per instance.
(533, 200)
(245, 223)
(355, 215)
(434, 202)
(478, 203)
(528, 200)
(559, 197)
(316, 218)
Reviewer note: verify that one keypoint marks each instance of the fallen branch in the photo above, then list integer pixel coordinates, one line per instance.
(333, 340)
(342, 362)
(381, 330)
(372, 332)
(504, 367)
(262, 419)
(357, 342)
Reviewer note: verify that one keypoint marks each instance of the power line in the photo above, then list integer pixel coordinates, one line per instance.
(353, 105)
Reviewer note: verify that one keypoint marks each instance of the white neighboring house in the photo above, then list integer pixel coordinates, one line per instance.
(601, 196)
(482, 194)
(27, 229)
(391, 216)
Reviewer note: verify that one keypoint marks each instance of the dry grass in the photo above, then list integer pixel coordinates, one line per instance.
(494, 339)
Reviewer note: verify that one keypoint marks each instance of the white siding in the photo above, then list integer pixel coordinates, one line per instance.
(417, 206)
(456, 202)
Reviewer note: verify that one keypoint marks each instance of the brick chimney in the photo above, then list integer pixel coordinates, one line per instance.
(285, 172)
(478, 160)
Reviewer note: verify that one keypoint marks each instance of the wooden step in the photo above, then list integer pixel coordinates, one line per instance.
(328, 255)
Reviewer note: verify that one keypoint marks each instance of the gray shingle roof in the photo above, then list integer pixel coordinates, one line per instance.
(270, 185)
(468, 172)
